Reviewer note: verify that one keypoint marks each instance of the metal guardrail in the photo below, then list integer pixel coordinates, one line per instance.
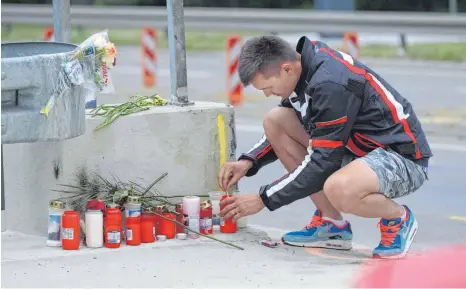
(266, 20)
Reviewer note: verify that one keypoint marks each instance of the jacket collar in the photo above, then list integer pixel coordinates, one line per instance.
(307, 49)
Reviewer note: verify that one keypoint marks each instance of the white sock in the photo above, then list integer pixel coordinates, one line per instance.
(337, 222)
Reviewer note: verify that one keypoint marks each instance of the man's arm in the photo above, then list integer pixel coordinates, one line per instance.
(262, 154)
(333, 109)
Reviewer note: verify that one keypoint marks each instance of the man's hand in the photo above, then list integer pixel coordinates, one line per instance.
(241, 206)
(231, 172)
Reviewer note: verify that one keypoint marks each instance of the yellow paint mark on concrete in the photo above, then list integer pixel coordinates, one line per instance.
(222, 138)
(458, 218)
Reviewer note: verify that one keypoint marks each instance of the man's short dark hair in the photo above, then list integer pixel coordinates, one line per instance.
(263, 54)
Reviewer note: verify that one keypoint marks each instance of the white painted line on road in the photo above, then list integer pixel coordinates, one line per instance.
(437, 146)
(161, 72)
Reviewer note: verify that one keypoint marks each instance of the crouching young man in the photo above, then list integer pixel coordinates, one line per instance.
(347, 138)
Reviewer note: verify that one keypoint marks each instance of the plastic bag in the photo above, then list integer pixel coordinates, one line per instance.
(89, 65)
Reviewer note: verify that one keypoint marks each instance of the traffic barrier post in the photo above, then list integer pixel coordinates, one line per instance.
(48, 34)
(149, 56)
(351, 44)
(234, 85)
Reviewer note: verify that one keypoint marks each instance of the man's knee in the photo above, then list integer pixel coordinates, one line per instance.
(274, 118)
(338, 190)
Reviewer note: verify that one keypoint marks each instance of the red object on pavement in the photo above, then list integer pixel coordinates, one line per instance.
(167, 227)
(205, 222)
(180, 218)
(147, 228)
(133, 231)
(227, 226)
(439, 268)
(113, 227)
(71, 230)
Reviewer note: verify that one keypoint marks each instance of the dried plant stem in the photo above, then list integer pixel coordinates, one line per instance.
(210, 237)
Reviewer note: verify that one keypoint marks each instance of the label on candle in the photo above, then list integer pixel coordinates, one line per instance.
(68, 233)
(129, 234)
(205, 224)
(113, 237)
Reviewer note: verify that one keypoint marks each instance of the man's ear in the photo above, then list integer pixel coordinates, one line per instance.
(287, 68)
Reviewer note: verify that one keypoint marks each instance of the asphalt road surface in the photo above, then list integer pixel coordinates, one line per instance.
(437, 91)
(437, 205)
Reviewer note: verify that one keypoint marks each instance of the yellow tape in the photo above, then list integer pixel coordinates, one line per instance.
(458, 218)
(222, 139)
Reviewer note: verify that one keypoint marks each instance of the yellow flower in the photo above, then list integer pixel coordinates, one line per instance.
(110, 49)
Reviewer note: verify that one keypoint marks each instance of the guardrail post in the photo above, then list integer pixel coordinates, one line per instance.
(177, 48)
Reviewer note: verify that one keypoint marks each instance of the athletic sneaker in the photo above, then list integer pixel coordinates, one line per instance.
(397, 236)
(321, 233)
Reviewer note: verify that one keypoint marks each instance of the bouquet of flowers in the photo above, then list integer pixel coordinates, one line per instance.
(90, 63)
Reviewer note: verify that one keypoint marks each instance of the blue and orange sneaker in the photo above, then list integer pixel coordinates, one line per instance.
(321, 233)
(397, 236)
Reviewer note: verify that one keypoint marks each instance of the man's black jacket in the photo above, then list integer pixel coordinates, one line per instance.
(346, 108)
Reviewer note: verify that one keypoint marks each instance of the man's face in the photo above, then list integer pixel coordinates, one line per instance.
(280, 83)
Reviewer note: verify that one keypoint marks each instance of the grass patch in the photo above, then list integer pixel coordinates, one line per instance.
(435, 51)
(195, 40)
(213, 40)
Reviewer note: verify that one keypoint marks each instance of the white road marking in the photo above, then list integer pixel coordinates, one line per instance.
(435, 145)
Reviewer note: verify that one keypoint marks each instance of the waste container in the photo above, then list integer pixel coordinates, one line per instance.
(31, 73)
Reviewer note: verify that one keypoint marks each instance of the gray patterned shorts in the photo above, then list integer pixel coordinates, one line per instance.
(398, 176)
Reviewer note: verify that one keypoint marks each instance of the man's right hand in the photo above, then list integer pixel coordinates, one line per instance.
(231, 172)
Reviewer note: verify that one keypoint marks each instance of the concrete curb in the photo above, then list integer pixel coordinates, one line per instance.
(188, 143)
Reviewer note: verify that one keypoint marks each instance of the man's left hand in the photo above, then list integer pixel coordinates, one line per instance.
(241, 206)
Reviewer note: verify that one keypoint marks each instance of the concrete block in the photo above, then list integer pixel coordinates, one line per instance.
(182, 141)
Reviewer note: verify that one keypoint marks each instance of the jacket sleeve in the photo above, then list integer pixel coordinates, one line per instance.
(331, 105)
(262, 154)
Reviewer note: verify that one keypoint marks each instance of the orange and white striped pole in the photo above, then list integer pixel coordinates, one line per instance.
(149, 56)
(351, 44)
(48, 34)
(234, 85)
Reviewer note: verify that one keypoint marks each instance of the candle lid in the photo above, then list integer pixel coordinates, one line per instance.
(148, 210)
(206, 204)
(56, 204)
(133, 200)
(161, 209)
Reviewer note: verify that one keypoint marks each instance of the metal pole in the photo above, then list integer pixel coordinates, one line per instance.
(61, 20)
(177, 47)
(3, 198)
(453, 6)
